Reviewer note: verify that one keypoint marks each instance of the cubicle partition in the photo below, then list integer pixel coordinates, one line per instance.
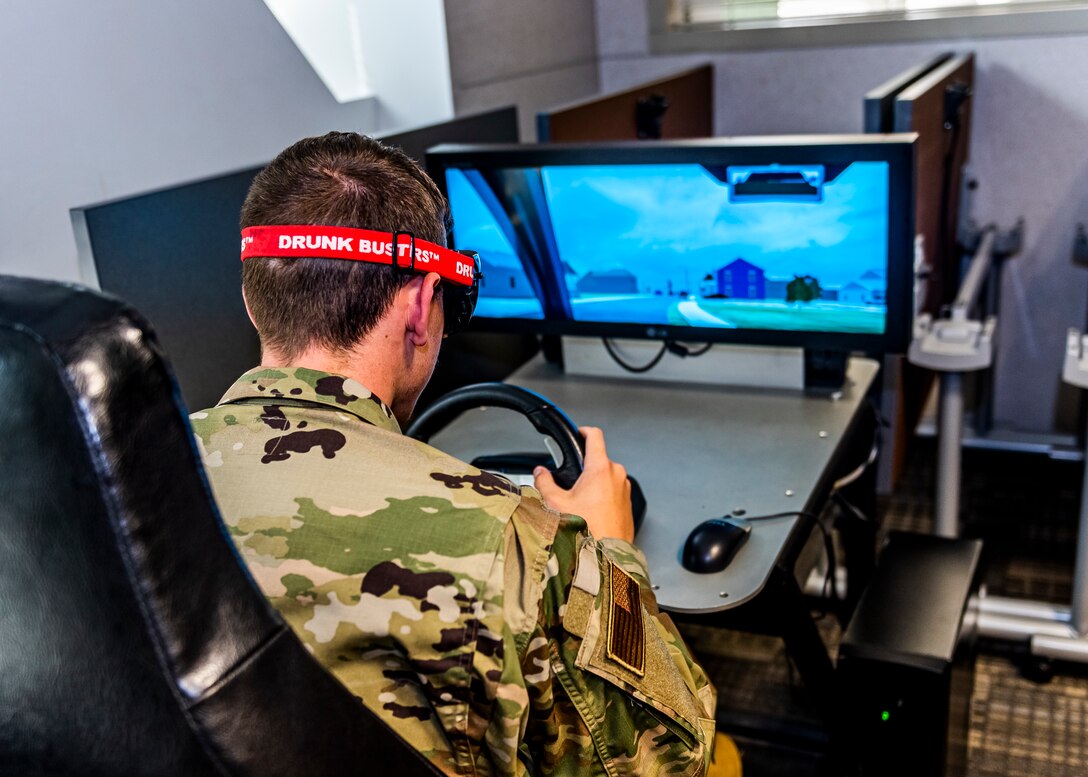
(934, 100)
(670, 108)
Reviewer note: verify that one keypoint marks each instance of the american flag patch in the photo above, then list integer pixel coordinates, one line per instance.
(626, 631)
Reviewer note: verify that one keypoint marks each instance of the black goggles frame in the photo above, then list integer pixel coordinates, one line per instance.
(458, 302)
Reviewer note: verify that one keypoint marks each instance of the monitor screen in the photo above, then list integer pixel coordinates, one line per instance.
(802, 244)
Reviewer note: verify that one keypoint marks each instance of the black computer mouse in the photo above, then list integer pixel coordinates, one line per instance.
(713, 544)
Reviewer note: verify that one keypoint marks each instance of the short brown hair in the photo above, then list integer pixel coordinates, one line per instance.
(341, 179)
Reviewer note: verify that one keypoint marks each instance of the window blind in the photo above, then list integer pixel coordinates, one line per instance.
(739, 14)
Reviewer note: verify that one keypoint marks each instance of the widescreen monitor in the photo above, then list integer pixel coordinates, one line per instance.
(173, 254)
(802, 241)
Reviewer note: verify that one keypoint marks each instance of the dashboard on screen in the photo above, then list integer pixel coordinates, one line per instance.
(803, 244)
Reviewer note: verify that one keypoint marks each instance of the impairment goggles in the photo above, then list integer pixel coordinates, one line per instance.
(459, 270)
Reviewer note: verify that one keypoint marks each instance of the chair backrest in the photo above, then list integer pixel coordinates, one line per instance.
(132, 640)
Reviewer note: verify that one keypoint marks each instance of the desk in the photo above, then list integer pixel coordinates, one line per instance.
(698, 452)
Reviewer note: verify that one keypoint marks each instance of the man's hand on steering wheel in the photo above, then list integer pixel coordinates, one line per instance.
(601, 495)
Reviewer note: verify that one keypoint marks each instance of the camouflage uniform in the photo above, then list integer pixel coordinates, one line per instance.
(489, 630)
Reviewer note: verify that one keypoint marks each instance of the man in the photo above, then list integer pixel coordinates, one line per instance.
(498, 632)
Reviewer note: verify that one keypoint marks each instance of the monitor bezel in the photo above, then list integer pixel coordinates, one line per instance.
(896, 150)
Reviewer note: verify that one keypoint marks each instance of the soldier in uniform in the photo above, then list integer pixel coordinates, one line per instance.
(500, 630)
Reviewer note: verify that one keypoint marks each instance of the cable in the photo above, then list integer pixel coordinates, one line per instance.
(632, 367)
(846, 505)
(874, 451)
(771, 516)
(684, 351)
(670, 346)
(830, 583)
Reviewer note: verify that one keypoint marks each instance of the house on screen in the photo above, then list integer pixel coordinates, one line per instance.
(608, 282)
(853, 293)
(741, 279)
(877, 283)
(869, 289)
(505, 279)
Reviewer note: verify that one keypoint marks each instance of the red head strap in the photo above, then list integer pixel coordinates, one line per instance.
(362, 245)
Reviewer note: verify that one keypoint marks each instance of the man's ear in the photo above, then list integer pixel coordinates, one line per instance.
(248, 311)
(421, 292)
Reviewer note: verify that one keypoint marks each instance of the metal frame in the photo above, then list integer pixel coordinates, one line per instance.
(953, 346)
(987, 21)
(1052, 631)
(956, 345)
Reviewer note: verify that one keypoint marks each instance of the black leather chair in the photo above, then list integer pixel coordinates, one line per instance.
(132, 641)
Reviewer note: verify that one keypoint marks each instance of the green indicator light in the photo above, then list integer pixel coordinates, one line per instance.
(885, 716)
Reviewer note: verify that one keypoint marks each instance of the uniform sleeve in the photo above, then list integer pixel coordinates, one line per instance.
(612, 688)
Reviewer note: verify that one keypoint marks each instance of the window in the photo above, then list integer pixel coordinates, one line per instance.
(680, 25)
(328, 35)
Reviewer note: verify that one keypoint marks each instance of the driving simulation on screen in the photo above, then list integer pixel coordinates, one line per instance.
(772, 247)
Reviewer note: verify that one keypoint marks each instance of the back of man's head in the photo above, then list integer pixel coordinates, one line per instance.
(346, 180)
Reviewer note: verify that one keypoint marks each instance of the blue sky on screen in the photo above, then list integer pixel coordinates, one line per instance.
(473, 225)
(675, 223)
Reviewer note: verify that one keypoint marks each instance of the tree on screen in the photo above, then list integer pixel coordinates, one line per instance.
(803, 288)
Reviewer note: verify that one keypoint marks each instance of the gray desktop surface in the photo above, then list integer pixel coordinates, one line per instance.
(698, 452)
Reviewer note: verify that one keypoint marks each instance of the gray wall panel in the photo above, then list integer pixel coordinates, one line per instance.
(535, 55)
(493, 40)
(530, 93)
(101, 100)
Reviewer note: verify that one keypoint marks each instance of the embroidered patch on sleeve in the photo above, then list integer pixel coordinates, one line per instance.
(626, 631)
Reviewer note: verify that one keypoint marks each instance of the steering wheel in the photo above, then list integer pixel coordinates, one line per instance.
(545, 417)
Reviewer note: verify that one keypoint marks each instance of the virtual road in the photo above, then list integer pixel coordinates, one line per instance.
(711, 313)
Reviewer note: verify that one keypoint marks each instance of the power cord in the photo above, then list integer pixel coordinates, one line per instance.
(684, 351)
(830, 583)
(608, 346)
(669, 346)
(874, 451)
(837, 496)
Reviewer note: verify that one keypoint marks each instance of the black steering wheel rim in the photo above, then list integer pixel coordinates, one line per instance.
(545, 417)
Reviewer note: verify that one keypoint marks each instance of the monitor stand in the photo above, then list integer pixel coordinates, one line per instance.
(725, 365)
